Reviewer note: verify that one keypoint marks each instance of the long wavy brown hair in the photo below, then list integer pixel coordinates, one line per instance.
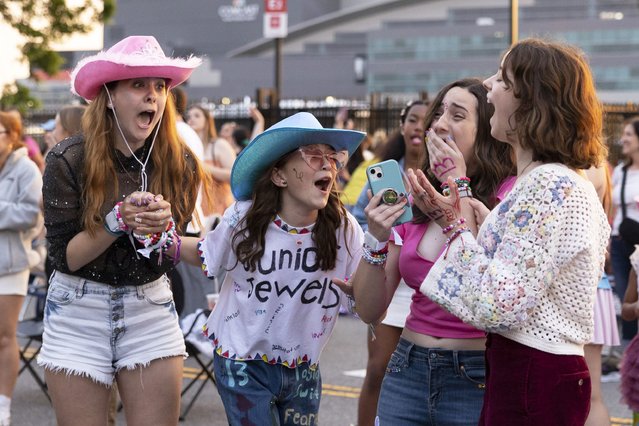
(559, 117)
(493, 161)
(249, 235)
(172, 175)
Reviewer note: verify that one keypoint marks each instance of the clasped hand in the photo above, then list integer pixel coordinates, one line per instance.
(146, 213)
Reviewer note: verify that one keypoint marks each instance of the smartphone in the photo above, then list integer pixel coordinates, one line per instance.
(387, 178)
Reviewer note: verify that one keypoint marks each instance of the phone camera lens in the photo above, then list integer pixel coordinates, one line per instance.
(379, 175)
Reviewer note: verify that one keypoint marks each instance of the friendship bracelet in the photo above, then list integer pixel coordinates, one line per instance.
(176, 258)
(453, 225)
(374, 258)
(456, 234)
(118, 215)
(460, 181)
(158, 242)
(464, 192)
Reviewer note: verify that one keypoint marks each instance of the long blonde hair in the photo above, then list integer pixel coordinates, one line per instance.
(173, 176)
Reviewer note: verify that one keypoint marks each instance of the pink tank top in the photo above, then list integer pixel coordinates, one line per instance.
(427, 317)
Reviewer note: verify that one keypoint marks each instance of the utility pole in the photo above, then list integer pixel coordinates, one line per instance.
(276, 27)
(514, 21)
(278, 73)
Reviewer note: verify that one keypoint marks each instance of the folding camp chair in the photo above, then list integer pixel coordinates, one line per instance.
(32, 328)
(203, 374)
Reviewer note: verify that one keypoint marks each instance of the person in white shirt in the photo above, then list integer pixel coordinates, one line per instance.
(625, 176)
(281, 245)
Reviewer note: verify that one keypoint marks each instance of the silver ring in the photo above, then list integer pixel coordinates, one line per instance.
(138, 219)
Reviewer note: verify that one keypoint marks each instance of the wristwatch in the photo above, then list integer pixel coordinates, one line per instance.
(111, 224)
(373, 243)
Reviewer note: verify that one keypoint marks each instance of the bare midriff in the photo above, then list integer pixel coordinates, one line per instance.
(426, 341)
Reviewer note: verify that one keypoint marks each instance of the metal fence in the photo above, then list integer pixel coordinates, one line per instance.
(366, 118)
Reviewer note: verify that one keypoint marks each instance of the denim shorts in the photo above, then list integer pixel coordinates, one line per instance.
(426, 386)
(256, 392)
(94, 330)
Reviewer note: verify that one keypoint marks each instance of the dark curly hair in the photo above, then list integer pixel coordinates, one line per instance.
(494, 160)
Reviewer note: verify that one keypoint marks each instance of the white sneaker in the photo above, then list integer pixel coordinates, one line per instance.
(5, 411)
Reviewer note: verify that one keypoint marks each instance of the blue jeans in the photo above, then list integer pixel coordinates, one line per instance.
(424, 386)
(620, 261)
(258, 393)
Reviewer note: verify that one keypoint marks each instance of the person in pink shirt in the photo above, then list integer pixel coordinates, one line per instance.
(436, 374)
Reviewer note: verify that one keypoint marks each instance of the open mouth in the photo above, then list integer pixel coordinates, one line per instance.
(146, 117)
(324, 184)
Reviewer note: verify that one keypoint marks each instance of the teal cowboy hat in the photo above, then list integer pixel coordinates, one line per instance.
(281, 138)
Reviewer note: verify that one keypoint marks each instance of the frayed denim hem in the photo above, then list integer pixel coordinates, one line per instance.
(98, 378)
(146, 363)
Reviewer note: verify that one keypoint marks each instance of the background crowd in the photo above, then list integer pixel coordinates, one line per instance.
(506, 224)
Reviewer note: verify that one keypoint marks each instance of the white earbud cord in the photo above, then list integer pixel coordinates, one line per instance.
(143, 175)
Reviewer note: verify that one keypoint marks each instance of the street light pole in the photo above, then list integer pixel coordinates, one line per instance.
(514, 21)
(278, 73)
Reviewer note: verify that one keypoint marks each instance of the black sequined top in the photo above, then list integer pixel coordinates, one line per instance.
(120, 264)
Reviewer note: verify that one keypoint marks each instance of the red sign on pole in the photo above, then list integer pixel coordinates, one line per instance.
(275, 19)
(275, 6)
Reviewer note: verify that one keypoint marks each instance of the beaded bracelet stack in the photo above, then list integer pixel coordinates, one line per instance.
(457, 228)
(377, 258)
(160, 242)
(121, 225)
(453, 225)
(463, 187)
(456, 234)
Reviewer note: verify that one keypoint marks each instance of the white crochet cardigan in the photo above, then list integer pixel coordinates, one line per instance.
(532, 273)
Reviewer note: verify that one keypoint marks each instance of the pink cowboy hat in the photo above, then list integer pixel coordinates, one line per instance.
(133, 57)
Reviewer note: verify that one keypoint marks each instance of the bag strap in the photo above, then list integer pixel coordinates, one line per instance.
(623, 191)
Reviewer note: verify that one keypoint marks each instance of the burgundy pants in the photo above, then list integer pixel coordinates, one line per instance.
(525, 386)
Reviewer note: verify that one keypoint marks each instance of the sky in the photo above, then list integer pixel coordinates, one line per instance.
(13, 68)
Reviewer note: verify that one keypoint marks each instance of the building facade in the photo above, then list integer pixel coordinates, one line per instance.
(352, 49)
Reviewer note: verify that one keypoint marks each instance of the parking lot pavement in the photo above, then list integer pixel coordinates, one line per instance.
(342, 360)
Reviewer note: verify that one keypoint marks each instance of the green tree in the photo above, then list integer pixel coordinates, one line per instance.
(19, 97)
(43, 22)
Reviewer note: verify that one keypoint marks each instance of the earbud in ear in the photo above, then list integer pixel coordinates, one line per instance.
(110, 105)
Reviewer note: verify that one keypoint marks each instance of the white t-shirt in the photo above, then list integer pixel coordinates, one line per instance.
(192, 140)
(631, 195)
(634, 259)
(284, 312)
